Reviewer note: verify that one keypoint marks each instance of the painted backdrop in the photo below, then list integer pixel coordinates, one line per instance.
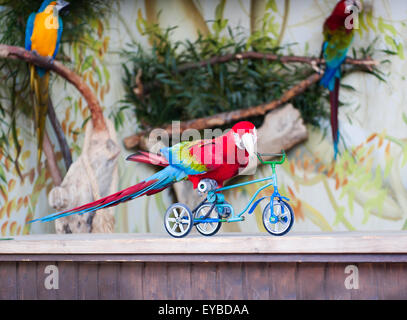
(365, 190)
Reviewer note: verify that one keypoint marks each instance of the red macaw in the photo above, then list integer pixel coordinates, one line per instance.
(218, 159)
(43, 36)
(337, 40)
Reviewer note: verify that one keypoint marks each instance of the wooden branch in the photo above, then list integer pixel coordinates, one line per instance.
(252, 55)
(229, 117)
(12, 52)
(63, 144)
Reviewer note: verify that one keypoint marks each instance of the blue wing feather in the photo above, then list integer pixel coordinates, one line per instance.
(29, 31)
(60, 29)
(333, 67)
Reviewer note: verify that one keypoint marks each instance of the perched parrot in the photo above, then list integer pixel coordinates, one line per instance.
(218, 159)
(337, 40)
(43, 36)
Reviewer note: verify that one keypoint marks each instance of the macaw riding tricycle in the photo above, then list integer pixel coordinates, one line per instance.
(208, 216)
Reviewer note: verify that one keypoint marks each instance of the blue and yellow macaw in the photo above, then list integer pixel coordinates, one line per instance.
(43, 36)
(337, 40)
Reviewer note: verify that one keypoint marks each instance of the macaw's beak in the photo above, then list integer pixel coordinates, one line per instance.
(249, 143)
(61, 4)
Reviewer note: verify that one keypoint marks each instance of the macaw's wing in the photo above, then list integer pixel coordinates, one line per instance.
(194, 157)
(29, 31)
(335, 48)
(60, 29)
(336, 45)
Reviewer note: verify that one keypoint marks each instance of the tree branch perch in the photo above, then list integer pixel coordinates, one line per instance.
(236, 115)
(221, 119)
(18, 53)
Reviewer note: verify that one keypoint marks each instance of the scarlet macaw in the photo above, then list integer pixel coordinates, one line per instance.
(337, 40)
(218, 159)
(43, 36)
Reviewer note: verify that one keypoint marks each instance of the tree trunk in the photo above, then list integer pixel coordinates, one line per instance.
(92, 176)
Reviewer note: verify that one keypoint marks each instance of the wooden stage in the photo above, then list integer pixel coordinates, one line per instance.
(226, 266)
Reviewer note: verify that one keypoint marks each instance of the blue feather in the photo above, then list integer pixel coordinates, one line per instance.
(164, 178)
(29, 31)
(60, 29)
(328, 79)
(44, 5)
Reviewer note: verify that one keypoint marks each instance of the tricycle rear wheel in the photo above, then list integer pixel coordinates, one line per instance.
(207, 228)
(178, 220)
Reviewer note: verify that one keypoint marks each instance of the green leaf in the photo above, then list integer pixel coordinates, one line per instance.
(369, 20)
(87, 63)
(2, 174)
(385, 26)
(271, 4)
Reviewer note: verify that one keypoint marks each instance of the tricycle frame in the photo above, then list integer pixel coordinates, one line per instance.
(216, 198)
(179, 219)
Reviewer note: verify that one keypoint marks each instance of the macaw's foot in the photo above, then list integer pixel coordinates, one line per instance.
(316, 66)
(50, 60)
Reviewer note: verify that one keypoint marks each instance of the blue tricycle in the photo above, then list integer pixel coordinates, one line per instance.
(208, 216)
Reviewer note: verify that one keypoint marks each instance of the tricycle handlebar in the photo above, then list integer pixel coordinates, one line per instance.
(282, 154)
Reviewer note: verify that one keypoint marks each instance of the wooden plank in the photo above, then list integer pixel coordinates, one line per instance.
(230, 281)
(255, 279)
(310, 281)
(282, 281)
(393, 282)
(155, 281)
(230, 243)
(179, 281)
(203, 281)
(198, 257)
(368, 283)
(108, 284)
(68, 281)
(42, 292)
(27, 280)
(335, 282)
(8, 281)
(88, 281)
(131, 280)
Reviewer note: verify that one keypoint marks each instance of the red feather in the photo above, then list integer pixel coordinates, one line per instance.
(114, 197)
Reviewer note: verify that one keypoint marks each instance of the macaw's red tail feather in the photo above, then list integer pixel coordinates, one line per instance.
(147, 157)
(334, 101)
(106, 202)
(154, 191)
(157, 182)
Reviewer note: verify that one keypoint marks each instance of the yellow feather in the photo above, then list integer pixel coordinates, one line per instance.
(40, 88)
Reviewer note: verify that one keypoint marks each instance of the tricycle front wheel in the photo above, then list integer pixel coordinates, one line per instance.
(284, 215)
